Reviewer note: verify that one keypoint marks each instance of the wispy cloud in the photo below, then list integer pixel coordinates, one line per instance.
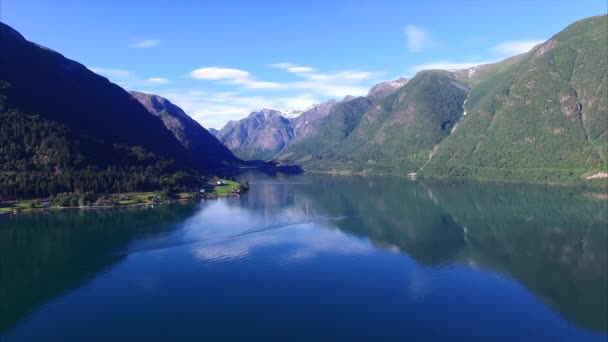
(515, 47)
(145, 43)
(113, 74)
(418, 39)
(158, 80)
(128, 79)
(232, 76)
(295, 69)
(284, 65)
(336, 84)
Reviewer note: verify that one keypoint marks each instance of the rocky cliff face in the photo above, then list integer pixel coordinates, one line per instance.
(308, 122)
(259, 136)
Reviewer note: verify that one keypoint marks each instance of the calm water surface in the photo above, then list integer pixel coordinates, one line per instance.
(316, 258)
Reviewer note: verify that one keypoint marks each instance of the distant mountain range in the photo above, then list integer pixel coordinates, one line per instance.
(64, 128)
(267, 133)
(541, 116)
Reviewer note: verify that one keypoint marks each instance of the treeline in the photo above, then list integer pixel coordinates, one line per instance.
(40, 158)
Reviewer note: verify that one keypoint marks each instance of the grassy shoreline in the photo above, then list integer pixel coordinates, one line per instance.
(213, 190)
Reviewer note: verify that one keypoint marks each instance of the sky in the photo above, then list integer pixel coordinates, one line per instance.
(221, 60)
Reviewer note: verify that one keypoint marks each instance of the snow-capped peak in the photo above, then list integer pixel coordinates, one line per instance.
(398, 83)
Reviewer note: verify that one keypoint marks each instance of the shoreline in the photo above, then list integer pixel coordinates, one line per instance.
(223, 189)
(101, 207)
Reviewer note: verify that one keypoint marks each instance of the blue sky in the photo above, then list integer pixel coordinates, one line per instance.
(219, 60)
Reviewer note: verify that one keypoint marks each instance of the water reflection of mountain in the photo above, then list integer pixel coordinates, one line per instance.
(552, 240)
(43, 256)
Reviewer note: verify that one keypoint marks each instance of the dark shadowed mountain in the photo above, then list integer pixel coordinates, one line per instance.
(65, 128)
(192, 136)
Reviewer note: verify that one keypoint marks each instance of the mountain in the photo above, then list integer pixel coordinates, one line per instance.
(64, 128)
(329, 132)
(541, 116)
(262, 135)
(268, 136)
(309, 121)
(192, 136)
(395, 133)
(259, 136)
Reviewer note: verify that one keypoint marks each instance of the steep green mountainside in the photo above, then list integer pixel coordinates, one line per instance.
(64, 128)
(331, 131)
(399, 133)
(395, 134)
(542, 116)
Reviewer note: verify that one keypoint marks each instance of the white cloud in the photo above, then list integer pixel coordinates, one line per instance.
(448, 65)
(232, 76)
(418, 39)
(146, 43)
(113, 73)
(337, 84)
(300, 70)
(292, 68)
(158, 80)
(128, 79)
(283, 65)
(516, 47)
(253, 84)
(217, 73)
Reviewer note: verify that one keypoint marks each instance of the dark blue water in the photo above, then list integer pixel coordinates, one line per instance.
(315, 258)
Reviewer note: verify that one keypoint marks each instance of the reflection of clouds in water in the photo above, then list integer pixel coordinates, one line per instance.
(302, 234)
(301, 241)
(418, 286)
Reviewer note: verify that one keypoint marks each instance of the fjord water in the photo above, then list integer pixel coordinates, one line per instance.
(316, 258)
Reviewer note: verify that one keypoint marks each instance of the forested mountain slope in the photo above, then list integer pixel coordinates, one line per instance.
(542, 116)
(64, 128)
